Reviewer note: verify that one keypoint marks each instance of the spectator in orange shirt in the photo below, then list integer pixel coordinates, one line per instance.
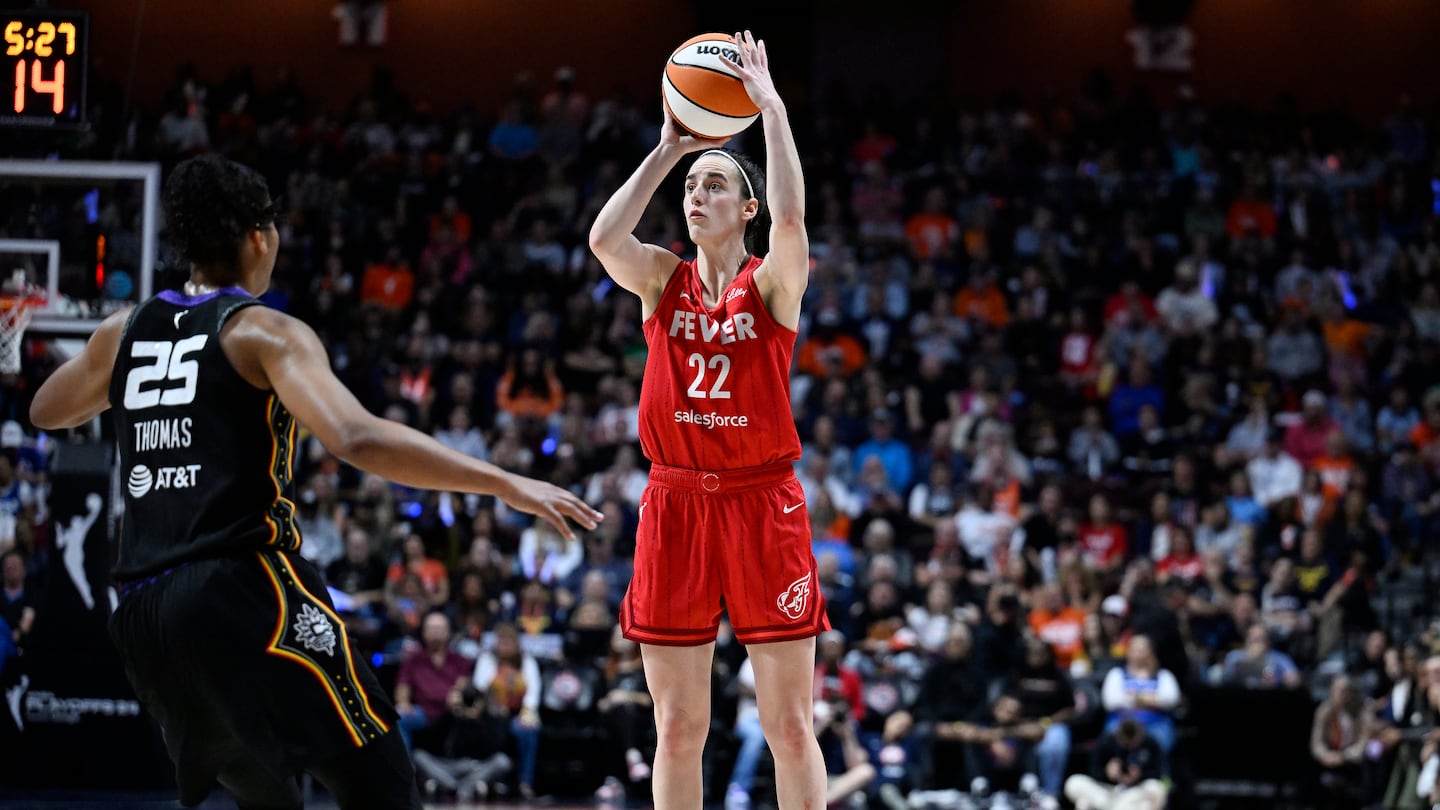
(452, 215)
(389, 284)
(1060, 625)
(981, 300)
(932, 232)
(1345, 338)
(433, 577)
(828, 352)
(530, 391)
(1250, 216)
(1336, 467)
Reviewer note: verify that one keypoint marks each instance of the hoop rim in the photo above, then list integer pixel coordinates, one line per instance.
(9, 301)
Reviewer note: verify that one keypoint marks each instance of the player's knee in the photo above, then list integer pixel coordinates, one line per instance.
(789, 732)
(679, 731)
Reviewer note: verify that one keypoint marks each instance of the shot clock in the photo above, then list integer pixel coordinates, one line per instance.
(42, 72)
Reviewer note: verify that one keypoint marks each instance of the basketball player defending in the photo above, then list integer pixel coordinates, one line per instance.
(228, 635)
(723, 521)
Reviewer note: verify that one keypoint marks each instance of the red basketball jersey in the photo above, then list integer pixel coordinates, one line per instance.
(716, 393)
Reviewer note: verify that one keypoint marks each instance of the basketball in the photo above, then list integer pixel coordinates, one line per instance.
(701, 93)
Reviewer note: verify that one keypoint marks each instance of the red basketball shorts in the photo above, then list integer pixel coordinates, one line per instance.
(737, 541)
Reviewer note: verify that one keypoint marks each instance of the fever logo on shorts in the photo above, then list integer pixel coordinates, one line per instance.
(792, 602)
(314, 631)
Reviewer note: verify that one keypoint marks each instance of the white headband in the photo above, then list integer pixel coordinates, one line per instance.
(722, 153)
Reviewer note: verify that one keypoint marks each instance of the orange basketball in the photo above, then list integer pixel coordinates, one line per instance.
(701, 93)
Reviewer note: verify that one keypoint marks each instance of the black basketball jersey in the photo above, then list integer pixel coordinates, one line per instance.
(205, 457)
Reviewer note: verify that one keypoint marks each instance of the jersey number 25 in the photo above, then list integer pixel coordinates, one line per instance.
(167, 363)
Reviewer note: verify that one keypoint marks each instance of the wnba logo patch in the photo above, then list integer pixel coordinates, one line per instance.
(793, 601)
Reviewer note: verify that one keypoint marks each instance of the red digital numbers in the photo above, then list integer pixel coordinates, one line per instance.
(54, 86)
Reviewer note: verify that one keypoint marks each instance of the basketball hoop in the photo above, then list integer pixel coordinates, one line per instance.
(15, 312)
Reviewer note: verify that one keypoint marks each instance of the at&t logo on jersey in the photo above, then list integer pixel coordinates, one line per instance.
(141, 480)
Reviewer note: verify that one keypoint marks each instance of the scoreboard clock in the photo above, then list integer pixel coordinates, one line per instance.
(42, 75)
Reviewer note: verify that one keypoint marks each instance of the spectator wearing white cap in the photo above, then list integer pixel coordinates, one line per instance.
(12, 434)
(1184, 309)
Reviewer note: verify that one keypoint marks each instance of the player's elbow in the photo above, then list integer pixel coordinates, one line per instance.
(42, 417)
(606, 246)
(599, 239)
(48, 411)
(354, 443)
(40, 414)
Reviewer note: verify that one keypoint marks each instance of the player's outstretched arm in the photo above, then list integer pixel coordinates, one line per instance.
(788, 262)
(79, 390)
(640, 268)
(274, 348)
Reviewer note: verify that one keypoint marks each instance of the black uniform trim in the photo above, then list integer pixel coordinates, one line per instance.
(301, 633)
(281, 514)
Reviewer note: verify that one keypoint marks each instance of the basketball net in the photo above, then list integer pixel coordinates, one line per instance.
(15, 312)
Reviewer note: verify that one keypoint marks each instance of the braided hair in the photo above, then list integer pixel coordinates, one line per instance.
(210, 204)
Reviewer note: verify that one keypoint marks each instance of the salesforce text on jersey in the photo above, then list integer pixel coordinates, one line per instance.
(711, 420)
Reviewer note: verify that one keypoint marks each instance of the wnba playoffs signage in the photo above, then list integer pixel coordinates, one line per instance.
(70, 717)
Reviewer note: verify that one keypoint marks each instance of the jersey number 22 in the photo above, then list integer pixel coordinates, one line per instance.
(719, 362)
(167, 363)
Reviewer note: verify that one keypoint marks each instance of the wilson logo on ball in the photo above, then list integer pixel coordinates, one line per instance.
(714, 50)
(702, 93)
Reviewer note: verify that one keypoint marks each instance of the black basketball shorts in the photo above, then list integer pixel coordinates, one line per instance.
(252, 677)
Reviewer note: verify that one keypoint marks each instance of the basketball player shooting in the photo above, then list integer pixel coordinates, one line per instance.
(228, 635)
(723, 520)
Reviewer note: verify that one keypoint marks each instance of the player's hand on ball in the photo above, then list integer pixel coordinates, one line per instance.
(754, 69)
(672, 135)
(550, 503)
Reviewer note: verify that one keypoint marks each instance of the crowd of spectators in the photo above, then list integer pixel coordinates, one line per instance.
(1102, 400)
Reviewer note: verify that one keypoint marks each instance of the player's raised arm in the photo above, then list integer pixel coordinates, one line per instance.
(788, 262)
(289, 356)
(640, 268)
(79, 390)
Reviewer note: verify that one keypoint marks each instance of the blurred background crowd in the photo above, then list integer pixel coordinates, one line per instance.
(1104, 401)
